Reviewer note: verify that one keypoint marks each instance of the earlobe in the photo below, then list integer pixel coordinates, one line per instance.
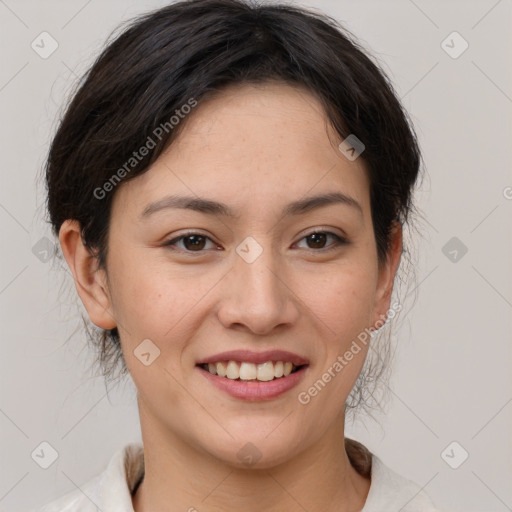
(90, 281)
(387, 272)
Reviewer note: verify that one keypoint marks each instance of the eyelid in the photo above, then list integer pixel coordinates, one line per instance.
(339, 240)
(326, 230)
(174, 240)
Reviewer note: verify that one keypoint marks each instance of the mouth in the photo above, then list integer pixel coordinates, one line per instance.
(246, 371)
(254, 376)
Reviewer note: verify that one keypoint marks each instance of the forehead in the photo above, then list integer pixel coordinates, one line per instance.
(268, 120)
(251, 144)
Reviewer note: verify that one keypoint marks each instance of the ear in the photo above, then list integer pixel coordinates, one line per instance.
(387, 271)
(90, 281)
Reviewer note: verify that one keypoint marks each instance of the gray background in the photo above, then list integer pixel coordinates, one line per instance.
(451, 377)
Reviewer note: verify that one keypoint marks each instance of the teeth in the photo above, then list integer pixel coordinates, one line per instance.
(248, 371)
(221, 369)
(233, 370)
(266, 371)
(278, 369)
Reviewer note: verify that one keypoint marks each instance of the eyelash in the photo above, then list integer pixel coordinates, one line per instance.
(339, 241)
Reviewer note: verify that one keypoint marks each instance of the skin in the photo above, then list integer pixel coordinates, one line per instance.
(256, 149)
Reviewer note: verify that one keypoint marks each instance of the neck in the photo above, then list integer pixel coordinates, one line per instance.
(178, 476)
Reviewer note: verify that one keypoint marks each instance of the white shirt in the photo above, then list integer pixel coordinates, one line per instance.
(111, 490)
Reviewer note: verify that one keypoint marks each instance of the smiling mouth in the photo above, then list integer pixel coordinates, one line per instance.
(244, 371)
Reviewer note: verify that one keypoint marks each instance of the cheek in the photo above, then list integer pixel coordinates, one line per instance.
(343, 305)
(137, 300)
(342, 300)
(156, 301)
(149, 305)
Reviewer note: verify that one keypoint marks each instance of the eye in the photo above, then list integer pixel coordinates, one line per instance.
(318, 239)
(192, 242)
(196, 242)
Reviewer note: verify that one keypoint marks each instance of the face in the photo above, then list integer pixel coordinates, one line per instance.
(270, 270)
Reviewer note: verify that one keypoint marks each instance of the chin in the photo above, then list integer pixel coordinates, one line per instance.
(255, 452)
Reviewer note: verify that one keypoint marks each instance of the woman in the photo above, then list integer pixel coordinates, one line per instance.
(229, 186)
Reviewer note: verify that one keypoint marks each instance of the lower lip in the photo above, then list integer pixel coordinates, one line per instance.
(255, 391)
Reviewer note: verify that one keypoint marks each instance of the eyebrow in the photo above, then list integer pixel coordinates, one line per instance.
(211, 207)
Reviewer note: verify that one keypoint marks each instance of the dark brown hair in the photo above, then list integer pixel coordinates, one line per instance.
(185, 53)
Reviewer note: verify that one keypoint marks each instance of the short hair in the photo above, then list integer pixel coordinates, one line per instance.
(192, 50)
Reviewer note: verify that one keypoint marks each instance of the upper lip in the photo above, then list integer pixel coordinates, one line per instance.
(256, 357)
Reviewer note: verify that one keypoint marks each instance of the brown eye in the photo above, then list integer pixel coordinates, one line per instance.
(190, 243)
(194, 242)
(318, 240)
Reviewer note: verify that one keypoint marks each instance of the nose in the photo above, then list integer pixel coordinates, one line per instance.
(257, 296)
